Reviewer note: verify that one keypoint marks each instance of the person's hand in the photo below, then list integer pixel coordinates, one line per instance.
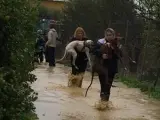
(134, 62)
(105, 56)
(109, 44)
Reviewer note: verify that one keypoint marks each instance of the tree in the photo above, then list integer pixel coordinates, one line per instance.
(150, 59)
(17, 24)
(96, 15)
(45, 13)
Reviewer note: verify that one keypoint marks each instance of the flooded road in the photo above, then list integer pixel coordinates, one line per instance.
(58, 102)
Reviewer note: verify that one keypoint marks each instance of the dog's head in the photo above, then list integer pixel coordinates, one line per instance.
(89, 43)
(106, 49)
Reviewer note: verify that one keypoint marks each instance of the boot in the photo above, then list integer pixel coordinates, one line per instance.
(104, 97)
(81, 81)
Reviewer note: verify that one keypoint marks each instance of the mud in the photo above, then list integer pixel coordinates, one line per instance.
(58, 102)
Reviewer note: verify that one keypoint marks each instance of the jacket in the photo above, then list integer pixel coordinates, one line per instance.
(52, 37)
(111, 64)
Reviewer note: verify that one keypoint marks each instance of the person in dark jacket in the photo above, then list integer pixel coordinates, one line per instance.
(81, 61)
(111, 64)
(46, 39)
(40, 46)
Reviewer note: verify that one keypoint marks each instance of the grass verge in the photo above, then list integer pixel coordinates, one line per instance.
(29, 116)
(144, 86)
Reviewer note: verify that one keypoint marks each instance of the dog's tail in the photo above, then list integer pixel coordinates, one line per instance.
(90, 83)
(65, 54)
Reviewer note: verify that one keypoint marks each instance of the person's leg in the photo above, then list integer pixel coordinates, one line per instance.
(41, 56)
(108, 87)
(102, 85)
(50, 56)
(53, 49)
(46, 54)
(72, 75)
(74, 70)
(81, 80)
(36, 57)
(81, 63)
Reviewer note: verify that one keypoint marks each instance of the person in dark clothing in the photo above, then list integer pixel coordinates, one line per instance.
(81, 60)
(111, 64)
(40, 46)
(46, 39)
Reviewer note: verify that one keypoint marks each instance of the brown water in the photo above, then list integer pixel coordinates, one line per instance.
(58, 102)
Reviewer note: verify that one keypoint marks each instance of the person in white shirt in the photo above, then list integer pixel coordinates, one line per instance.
(51, 45)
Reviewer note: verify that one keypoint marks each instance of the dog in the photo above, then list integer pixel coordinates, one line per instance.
(82, 46)
(98, 65)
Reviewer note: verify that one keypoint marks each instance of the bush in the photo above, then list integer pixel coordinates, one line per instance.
(17, 23)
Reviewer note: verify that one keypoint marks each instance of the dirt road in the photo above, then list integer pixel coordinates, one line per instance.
(58, 102)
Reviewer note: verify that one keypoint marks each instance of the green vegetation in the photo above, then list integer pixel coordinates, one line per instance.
(146, 87)
(17, 39)
(46, 13)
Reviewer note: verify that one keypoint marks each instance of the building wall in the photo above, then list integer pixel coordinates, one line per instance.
(57, 5)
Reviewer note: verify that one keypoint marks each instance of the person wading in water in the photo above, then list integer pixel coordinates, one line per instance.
(81, 61)
(110, 63)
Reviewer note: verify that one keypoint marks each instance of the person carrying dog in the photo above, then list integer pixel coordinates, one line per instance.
(81, 61)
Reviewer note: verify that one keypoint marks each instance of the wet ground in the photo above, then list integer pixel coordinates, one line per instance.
(58, 102)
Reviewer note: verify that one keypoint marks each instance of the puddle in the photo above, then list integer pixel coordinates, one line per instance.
(58, 102)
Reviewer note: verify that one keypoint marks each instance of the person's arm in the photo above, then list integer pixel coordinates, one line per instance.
(118, 54)
(49, 38)
(57, 38)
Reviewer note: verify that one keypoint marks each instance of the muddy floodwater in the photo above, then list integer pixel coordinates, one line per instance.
(58, 102)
